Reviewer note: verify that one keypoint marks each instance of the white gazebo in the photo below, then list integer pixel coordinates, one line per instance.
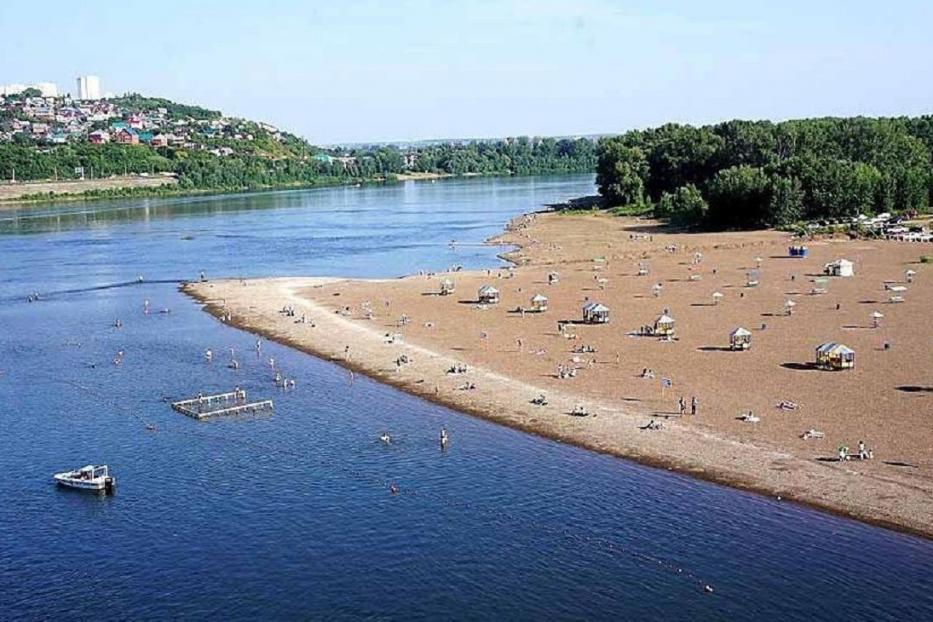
(664, 326)
(832, 355)
(740, 339)
(539, 303)
(488, 294)
(595, 313)
(840, 267)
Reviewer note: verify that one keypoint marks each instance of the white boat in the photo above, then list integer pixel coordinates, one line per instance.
(89, 477)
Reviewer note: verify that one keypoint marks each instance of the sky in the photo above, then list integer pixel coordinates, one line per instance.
(346, 71)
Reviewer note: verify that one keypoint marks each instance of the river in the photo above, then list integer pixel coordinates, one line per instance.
(289, 515)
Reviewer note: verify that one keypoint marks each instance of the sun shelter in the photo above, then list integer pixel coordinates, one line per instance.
(595, 313)
(539, 303)
(447, 287)
(664, 326)
(740, 339)
(717, 297)
(832, 355)
(488, 294)
(876, 318)
(789, 307)
(840, 267)
(751, 278)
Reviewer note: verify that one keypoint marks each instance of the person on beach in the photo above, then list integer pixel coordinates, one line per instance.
(682, 404)
(444, 438)
(694, 405)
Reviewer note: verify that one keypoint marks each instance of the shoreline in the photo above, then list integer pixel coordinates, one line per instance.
(699, 451)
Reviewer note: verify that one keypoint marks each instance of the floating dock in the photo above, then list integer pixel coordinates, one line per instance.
(232, 403)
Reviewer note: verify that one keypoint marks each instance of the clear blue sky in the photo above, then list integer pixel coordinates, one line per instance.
(345, 71)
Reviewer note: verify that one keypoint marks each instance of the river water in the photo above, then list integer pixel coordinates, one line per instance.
(289, 515)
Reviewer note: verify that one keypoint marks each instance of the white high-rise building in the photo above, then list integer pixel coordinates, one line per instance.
(48, 89)
(88, 87)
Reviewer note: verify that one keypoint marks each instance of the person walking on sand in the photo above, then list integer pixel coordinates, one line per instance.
(682, 404)
(694, 405)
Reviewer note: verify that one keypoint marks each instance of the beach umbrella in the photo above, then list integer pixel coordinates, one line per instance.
(717, 296)
(876, 318)
(910, 275)
(758, 261)
(789, 307)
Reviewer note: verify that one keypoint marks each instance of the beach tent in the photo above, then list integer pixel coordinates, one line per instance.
(664, 326)
(595, 313)
(539, 303)
(840, 267)
(447, 287)
(740, 339)
(488, 294)
(832, 355)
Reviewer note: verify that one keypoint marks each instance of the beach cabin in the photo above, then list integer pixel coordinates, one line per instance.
(740, 339)
(487, 294)
(834, 355)
(798, 251)
(595, 313)
(840, 267)
(447, 287)
(553, 278)
(539, 303)
(664, 326)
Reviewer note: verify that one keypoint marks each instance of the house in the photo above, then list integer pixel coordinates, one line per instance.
(595, 313)
(488, 294)
(740, 339)
(539, 303)
(126, 136)
(840, 267)
(160, 140)
(322, 157)
(832, 355)
(98, 137)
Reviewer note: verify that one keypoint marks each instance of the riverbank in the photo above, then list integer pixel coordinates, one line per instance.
(512, 357)
(33, 191)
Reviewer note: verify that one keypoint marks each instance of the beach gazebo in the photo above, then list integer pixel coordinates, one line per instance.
(595, 313)
(876, 318)
(539, 303)
(664, 326)
(832, 355)
(488, 294)
(447, 287)
(840, 267)
(740, 339)
(897, 293)
(553, 278)
(717, 297)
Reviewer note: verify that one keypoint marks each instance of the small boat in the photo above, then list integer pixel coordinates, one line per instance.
(89, 477)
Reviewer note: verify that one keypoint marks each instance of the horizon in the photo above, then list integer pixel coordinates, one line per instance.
(369, 74)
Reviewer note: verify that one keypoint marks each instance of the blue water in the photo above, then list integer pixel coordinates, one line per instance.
(290, 516)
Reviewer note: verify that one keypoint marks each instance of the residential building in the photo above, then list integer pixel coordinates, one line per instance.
(88, 87)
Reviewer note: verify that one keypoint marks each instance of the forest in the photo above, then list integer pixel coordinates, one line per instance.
(749, 174)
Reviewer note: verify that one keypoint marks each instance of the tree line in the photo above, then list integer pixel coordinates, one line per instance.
(748, 174)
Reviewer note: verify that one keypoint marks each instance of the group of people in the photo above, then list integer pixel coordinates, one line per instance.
(694, 405)
(863, 452)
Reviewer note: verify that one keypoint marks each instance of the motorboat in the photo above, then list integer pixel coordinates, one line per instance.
(90, 477)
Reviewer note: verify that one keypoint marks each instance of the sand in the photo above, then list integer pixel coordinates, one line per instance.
(887, 400)
(10, 193)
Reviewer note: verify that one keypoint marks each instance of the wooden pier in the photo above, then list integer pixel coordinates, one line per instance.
(232, 403)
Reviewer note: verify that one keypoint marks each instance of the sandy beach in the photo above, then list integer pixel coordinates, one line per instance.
(404, 333)
(11, 193)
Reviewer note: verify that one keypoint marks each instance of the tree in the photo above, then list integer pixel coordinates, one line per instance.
(787, 198)
(739, 197)
(684, 207)
(620, 173)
